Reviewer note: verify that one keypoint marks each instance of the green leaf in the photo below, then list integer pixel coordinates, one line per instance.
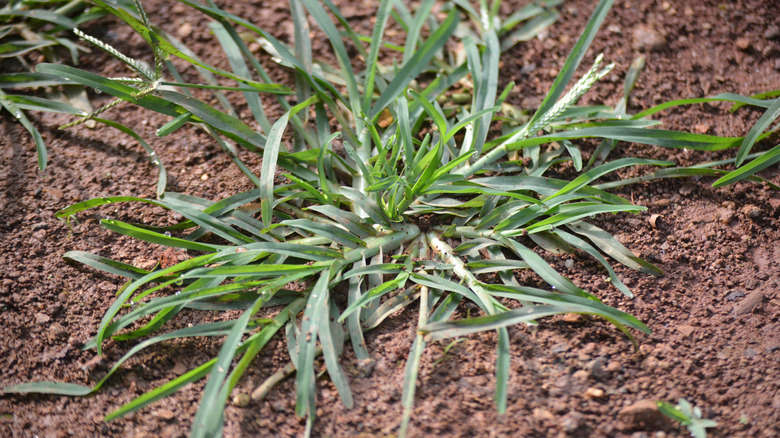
(767, 159)
(397, 283)
(331, 349)
(40, 14)
(97, 202)
(40, 147)
(155, 237)
(49, 388)
(32, 103)
(657, 137)
(330, 232)
(574, 59)
(540, 266)
(310, 328)
(208, 421)
(672, 412)
(162, 179)
(173, 125)
(270, 156)
(380, 21)
(585, 246)
(366, 204)
(530, 29)
(230, 41)
(129, 290)
(724, 97)
(593, 174)
(771, 114)
(225, 123)
(464, 327)
(418, 62)
(503, 363)
(31, 80)
(572, 215)
(105, 265)
(612, 247)
(163, 391)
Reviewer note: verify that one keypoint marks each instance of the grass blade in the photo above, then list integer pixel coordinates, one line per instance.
(40, 146)
(105, 265)
(310, 327)
(771, 114)
(208, 421)
(418, 62)
(612, 247)
(270, 157)
(59, 388)
(163, 391)
(574, 59)
(766, 159)
(593, 174)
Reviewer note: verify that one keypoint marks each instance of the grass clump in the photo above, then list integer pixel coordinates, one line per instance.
(418, 204)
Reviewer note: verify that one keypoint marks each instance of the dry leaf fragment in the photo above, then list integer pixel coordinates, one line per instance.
(385, 118)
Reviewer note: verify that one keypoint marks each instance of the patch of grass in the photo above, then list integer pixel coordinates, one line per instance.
(407, 199)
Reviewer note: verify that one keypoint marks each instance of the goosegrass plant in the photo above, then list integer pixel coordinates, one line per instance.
(406, 198)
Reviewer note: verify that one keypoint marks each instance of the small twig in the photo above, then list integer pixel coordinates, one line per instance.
(261, 391)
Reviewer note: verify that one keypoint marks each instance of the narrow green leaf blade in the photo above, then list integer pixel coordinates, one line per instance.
(60, 388)
(771, 114)
(767, 159)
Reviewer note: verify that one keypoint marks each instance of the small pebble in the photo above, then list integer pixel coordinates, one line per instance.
(614, 367)
(580, 375)
(241, 400)
(40, 226)
(179, 368)
(743, 43)
(663, 202)
(184, 30)
(749, 303)
(165, 414)
(574, 318)
(596, 368)
(570, 423)
(644, 413)
(686, 330)
(541, 414)
(648, 39)
(732, 296)
(595, 393)
(42, 318)
(752, 211)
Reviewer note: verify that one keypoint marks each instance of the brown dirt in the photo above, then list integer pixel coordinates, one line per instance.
(715, 316)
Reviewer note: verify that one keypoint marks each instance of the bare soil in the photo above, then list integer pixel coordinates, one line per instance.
(715, 315)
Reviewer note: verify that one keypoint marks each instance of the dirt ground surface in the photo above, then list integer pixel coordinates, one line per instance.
(715, 315)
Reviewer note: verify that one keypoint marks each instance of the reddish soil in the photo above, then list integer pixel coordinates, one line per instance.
(715, 315)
